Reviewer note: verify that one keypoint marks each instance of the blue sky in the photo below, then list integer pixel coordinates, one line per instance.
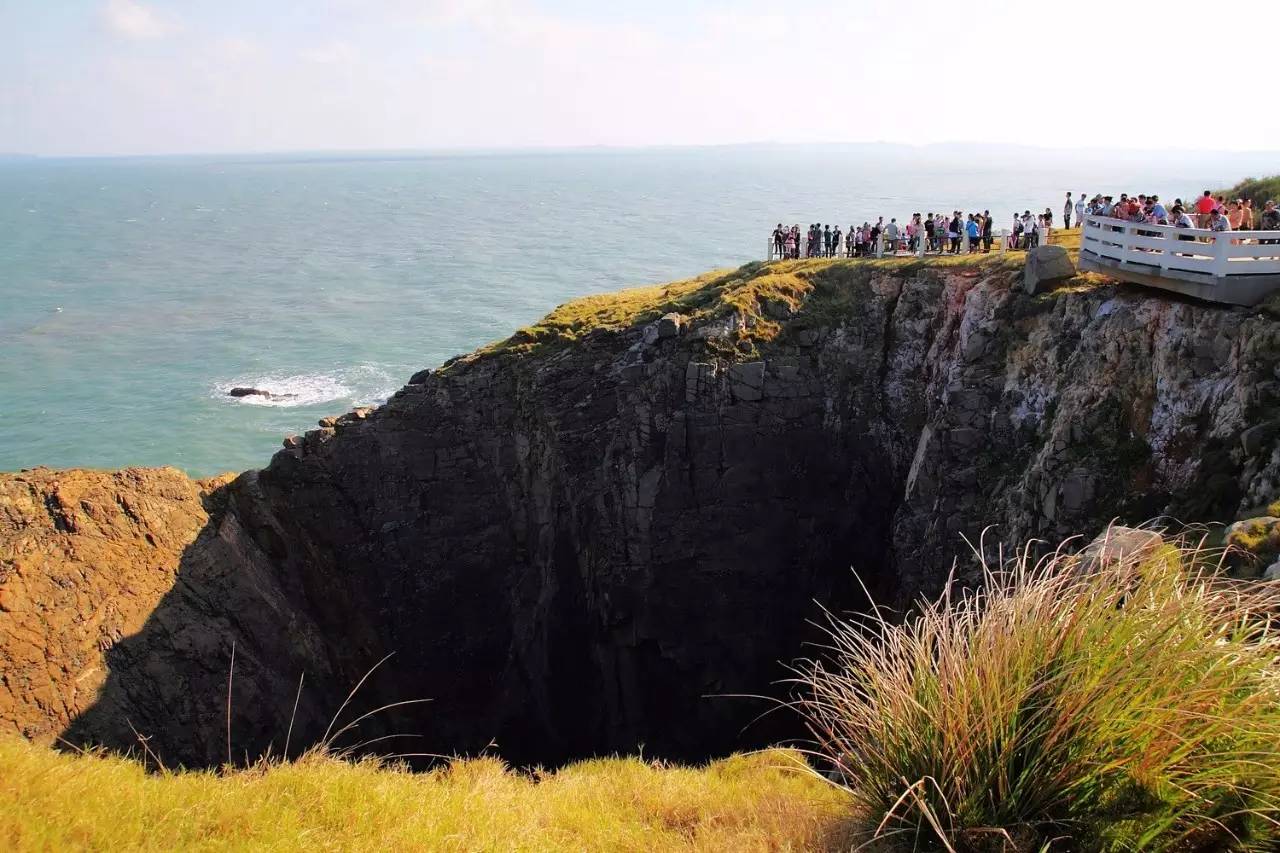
(167, 76)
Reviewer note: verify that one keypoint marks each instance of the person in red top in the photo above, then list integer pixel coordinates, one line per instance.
(1205, 205)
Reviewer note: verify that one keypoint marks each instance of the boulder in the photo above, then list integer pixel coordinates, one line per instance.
(1046, 265)
(670, 325)
(1253, 543)
(1118, 543)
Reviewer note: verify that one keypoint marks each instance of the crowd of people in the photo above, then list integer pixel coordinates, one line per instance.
(934, 233)
(1208, 212)
(973, 232)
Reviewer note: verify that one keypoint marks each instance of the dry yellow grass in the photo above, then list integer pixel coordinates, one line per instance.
(765, 801)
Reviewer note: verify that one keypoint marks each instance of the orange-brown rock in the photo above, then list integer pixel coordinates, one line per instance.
(85, 557)
(123, 593)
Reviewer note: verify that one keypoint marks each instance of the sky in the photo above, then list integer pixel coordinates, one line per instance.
(108, 77)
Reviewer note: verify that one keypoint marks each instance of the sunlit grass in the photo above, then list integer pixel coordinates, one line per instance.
(765, 801)
(1132, 706)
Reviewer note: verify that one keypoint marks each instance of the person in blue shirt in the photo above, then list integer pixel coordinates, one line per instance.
(1157, 210)
(971, 228)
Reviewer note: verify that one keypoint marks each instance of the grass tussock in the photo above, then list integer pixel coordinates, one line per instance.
(1129, 706)
(54, 801)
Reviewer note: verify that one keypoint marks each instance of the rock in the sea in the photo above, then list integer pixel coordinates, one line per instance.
(259, 392)
(1045, 266)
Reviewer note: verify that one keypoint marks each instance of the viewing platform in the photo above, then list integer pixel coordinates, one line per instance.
(1234, 267)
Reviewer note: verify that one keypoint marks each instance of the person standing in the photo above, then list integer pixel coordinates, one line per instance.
(1067, 210)
(1080, 208)
(986, 231)
(891, 235)
(1205, 206)
(1270, 221)
(973, 232)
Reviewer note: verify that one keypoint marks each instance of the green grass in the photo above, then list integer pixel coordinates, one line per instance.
(53, 801)
(1131, 707)
(746, 292)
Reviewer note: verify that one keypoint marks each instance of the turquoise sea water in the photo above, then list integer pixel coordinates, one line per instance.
(135, 292)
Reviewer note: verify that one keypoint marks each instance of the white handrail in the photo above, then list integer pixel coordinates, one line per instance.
(1166, 248)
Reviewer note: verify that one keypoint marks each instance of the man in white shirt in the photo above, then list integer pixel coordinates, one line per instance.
(1080, 211)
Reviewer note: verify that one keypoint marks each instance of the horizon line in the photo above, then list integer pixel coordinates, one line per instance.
(604, 148)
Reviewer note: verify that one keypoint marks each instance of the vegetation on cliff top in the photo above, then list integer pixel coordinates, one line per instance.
(54, 801)
(753, 295)
(1258, 190)
(1125, 699)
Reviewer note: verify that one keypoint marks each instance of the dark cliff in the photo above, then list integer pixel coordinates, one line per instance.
(606, 531)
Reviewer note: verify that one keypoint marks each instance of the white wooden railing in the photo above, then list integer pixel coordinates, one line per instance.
(1180, 252)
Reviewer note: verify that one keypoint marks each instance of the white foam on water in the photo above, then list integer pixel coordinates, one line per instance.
(363, 384)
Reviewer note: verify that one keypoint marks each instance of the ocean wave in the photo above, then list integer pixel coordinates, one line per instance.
(361, 385)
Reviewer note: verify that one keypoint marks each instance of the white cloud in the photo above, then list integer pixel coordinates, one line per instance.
(331, 53)
(133, 20)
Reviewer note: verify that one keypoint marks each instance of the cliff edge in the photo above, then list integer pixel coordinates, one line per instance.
(597, 534)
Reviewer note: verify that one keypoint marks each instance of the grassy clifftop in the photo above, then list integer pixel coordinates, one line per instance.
(754, 293)
(52, 801)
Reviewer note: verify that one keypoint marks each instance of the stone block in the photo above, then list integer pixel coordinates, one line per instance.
(1045, 266)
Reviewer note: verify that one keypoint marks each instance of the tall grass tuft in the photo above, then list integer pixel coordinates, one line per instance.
(1067, 704)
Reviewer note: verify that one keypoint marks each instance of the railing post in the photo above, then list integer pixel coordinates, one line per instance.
(1221, 243)
(880, 245)
(1004, 240)
(920, 240)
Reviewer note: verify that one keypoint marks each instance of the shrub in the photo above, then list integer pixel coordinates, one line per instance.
(1130, 705)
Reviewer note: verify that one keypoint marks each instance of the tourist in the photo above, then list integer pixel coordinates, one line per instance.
(1067, 210)
(1270, 221)
(1080, 211)
(1159, 214)
(1246, 222)
(986, 231)
(1235, 214)
(1204, 207)
(891, 236)
(953, 232)
(1181, 219)
(973, 231)
(1028, 230)
(790, 242)
(836, 239)
(1218, 221)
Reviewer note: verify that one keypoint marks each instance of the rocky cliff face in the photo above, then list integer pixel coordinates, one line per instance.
(606, 531)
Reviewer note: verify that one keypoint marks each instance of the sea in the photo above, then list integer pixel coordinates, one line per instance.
(135, 292)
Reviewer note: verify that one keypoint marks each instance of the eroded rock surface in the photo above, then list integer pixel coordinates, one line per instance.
(591, 546)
